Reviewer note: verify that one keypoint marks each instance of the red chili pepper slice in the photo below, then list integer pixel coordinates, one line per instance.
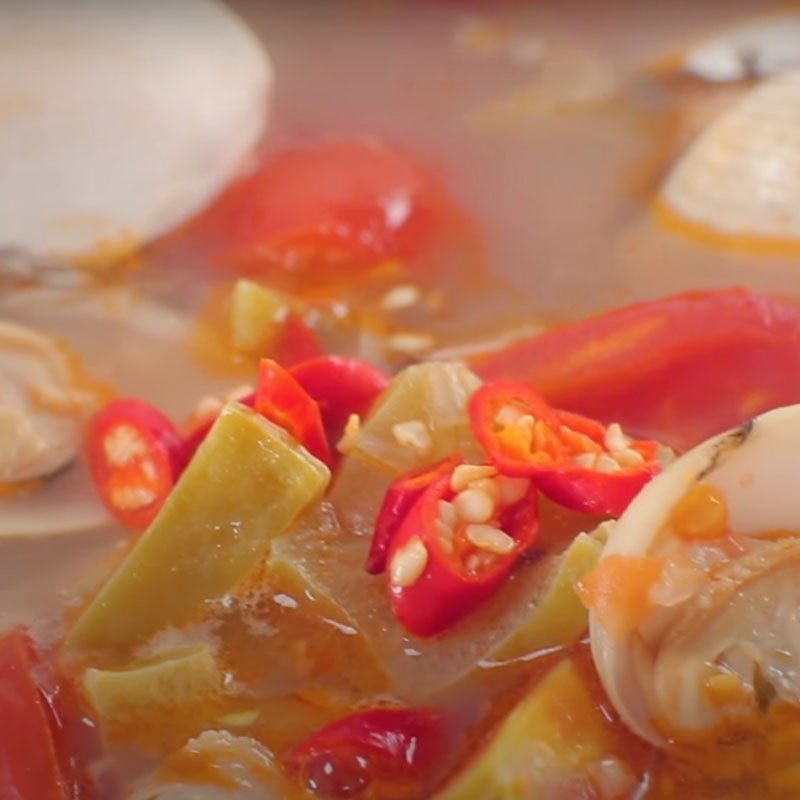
(297, 342)
(574, 460)
(136, 456)
(401, 495)
(365, 749)
(341, 386)
(29, 760)
(441, 566)
(282, 400)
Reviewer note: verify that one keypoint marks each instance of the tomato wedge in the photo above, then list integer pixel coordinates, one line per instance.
(340, 205)
(29, 764)
(341, 387)
(576, 461)
(370, 749)
(136, 456)
(678, 370)
(457, 546)
(282, 400)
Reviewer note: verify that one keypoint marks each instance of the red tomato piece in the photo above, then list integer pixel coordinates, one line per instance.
(341, 387)
(400, 497)
(576, 461)
(29, 763)
(282, 400)
(136, 456)
(336, 205)
(440, 567)
(367, 748)
(679, 369)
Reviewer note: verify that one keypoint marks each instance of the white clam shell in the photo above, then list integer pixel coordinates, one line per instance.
(118, 120)
(754, 49)
(741, 176)
(741, 617)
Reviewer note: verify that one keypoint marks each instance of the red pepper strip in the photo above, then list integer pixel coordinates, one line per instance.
(401, 495)
(136, 456)
(365, 749)
(297, 342)
(564, 454)
(282, 400)
(29, 764)
(448, 586)
(678, 369)
(341, 386)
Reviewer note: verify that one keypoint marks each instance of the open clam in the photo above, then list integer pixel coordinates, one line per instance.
(741, 177)
(695, 625)
(119, 120)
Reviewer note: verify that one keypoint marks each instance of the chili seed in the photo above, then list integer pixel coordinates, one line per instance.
(508, 415)
(351, 431)
(126, 498)
(414, 434)
(123, 445)
(400, 297)
(490, 539)
(628, 457)
(606, 463)
(489, 486)
(448, 514)
(465, 474)
(474, 505)
(512, 490)
(409, 563)
(585, 460)
(411, 344)
(615, 439)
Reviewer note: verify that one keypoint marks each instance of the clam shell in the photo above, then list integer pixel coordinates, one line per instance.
(741, 177)
(754, 49)
(118, 120)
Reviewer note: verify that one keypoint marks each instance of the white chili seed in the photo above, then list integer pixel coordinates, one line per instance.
(414, 434)
(448, 514)
(411, 344)
(444, 530)
(473, 562)
(208, 406)
(628, 457)
(123, 445)
(512, 490)
(240, 392)
(351, 431)
(606, 463)
(400, 297)
(490, 539)
(489, 486)
(665, 456)
(615, 439)
(527, 421)
(127, 498)
(474, 505)
(585, 460)
(508, 415)
(408, 563)
(465, 474)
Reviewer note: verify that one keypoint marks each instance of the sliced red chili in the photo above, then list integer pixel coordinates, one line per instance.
(341, 386)
(576, 461)
(369, 748)
(452, 551)
(297, 342)
(136, 456)
(29, 762)
(282, 400)
(401, 495)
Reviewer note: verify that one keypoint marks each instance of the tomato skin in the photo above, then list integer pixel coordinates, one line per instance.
(161, 447)
(445, 592)
(400, 497)
(580, 488)
(389, 744)
(679, 369)
(332, 206)
(341, 387)
(29, 764)
(282, 400)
